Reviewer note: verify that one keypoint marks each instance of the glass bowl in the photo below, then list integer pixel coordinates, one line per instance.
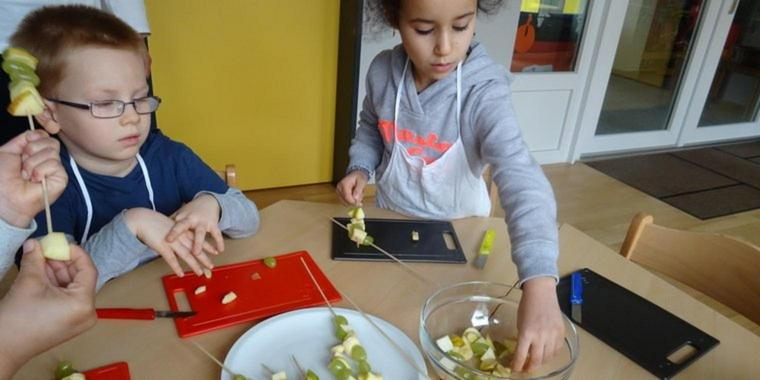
(484, 307)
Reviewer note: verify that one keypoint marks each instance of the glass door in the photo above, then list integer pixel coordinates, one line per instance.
(649, 68)
(730, 100)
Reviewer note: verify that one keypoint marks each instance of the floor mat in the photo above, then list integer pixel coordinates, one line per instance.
(706, 182)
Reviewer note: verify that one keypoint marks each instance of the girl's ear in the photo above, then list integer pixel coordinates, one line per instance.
(47, 118)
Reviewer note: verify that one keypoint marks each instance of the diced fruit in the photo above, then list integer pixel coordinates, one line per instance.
(368, 240)
(500, 370)
(63, 369)
(310, 375)
(229, 297)
(16, 88)
(350, 342)
(239, 377)
(55, 246)
(200, 289)
(445, 344)
(456, 340)
(24, 74)
(270, 262)
(20, 55)
(26, 103)
(370, 376)
(471, 334)
(455, 355)
(479, 348)
(340, 320)
(358, 353)
(415, 236)
(280, 376)
(364, 367)
(358, 235)
(337, 364)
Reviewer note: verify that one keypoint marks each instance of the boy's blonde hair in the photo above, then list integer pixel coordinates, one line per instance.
(50, 33)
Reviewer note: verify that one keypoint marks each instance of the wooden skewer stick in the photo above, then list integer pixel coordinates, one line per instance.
(298, 365)
(403, 353)
(233, 374)
(48, 218)
(314, 280)
(372, 323)
(405, 265)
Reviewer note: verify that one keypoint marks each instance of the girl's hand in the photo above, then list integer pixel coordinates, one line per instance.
(539, 322)
(152, 227)
(200, 216)
(351, 188)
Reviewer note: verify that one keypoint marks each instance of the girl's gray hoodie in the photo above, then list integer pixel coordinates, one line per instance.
(490, 135)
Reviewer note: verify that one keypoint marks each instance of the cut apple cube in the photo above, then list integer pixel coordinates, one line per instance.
(26, 103)
(229, 297)
(55, 246)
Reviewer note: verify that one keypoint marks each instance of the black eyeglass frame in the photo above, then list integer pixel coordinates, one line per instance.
(123, 105)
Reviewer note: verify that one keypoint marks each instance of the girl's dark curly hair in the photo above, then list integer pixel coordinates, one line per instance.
(389, 10)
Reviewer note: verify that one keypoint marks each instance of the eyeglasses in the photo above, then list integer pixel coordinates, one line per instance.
(108, 109)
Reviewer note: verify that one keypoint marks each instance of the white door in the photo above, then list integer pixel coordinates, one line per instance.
(655, 61)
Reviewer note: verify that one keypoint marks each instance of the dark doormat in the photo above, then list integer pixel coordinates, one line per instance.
(706, 182)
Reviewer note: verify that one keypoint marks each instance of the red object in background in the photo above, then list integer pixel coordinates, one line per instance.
(115, 371)
(261, 292)
(558, 54)
(526, 36)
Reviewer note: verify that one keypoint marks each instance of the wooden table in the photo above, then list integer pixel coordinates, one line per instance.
(154, 351)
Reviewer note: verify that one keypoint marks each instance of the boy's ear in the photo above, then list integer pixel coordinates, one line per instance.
(47, 118)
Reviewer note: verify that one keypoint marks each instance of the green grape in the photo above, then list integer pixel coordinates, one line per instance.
(310, 375)
(270, 262)
(344, 374)
(368, 240)
(336, 365)
(479, 348)
(364, 367)
(340, 320)
(239, 377)
(358, 353)
(64, 368)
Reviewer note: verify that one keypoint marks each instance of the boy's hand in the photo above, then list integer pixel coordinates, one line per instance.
(24, 161)
(539, 322)
(351, 188)
(201, 216)
(152, 227)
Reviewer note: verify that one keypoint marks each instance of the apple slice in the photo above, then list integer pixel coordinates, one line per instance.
(28, 102)
(55, 246)
(21, 55)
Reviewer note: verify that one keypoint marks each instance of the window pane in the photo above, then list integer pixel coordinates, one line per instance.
(548, 35)
(735, 92)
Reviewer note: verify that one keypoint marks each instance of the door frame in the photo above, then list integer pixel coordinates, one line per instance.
(587, 143)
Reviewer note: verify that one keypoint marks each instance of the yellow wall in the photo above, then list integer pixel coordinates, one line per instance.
(249, 82)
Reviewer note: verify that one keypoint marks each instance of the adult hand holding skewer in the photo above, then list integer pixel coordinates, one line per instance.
(24, 162)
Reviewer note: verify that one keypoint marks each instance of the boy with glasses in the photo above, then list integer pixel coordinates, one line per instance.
(134, 193)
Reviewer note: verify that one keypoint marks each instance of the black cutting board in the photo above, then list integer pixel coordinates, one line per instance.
(642, 331)
(395, 236)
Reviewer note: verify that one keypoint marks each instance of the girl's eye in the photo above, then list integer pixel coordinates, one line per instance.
(461, 28)
(423, 32)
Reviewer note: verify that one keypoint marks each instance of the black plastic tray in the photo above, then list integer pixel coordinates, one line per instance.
(642, 331)
(395, 236)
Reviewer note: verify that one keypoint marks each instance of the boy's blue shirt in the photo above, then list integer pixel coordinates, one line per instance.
(176, 173)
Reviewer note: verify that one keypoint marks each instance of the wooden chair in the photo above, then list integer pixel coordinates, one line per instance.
(228, 175)
(722, 267)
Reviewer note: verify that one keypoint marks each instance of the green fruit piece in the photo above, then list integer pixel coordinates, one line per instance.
(17, 76)
(239, 377)
(336, 365)
(344, 374)
(456, 340)
(64, 368)
(358, 353)
(270, 262)
(364, 367)
(12, 66)
(340, 333)
(499, 348)
(368, 240)
(455, 355)
(20, 55)
(340, 320)
(310, 375)
(479, 348)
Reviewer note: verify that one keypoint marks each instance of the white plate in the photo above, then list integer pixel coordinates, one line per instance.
(308, 334)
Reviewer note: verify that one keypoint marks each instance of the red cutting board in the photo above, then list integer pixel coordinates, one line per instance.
(115, 371)
(261, 292)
